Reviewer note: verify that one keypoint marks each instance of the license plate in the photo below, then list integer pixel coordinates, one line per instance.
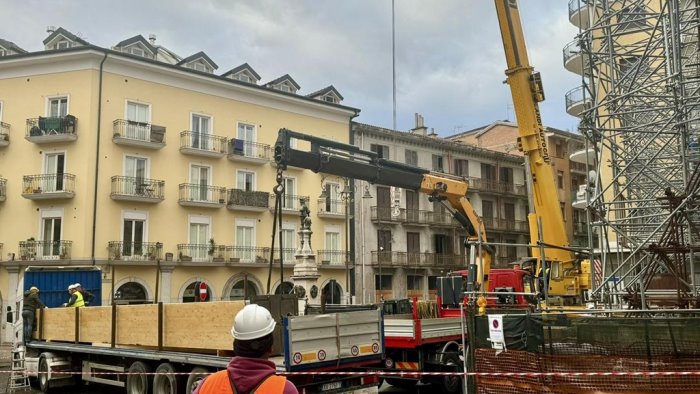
(331, 386)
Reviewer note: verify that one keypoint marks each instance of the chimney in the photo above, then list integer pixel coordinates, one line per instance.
(152, 39)
(432, 133)
(420, 128)
(50, 29)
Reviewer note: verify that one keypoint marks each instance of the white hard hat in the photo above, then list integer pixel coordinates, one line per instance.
(252, 322)
(77, 285)
(71, 287)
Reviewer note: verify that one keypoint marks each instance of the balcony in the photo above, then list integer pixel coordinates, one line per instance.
(388, 258)
(248, 151)
(580, 228)
(3, 189)
(388, 215)
(579, 168)
(249, 254)
(52, 129)
(4, 134)
(331, 209)
(333, 257)
(520, 226)
(290, 203)
(485, 185)
(251, 201)
(48, 186)
(443, 219)
(415, 217)
(127, 188)
(449, 261)
(574, 59)
(200, 144)
(202, 196)
(200, 252)
(45, 250)
(577, 100)
(135, 251)
(578, 13)
(138, 134)
(578, 199)
(583, 156)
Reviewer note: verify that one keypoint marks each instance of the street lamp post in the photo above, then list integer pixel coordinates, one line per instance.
(346, 195)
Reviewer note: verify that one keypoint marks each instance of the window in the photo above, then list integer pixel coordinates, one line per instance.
(246, 133)
(62, 44)
(51, 229)
(558, 150)
(488, 172)
(191, 293)
(461, 167)
(333, 245)
(289, 241)
(199, 237)
(560, 179)
(285, 88)
(134, 235)
(245, 240)
(411, 157)
(3, 52)
(58, 107)
(54, 170)
(632, 17)
(243, 289)
(138, 52)
(437, 163)
(289, 200)
(382, 282)
(432, 284)
(131, 293)
(201, 127)
(199, 183)
(382, 151)
(286, 288)
(138, 117)
(331, 292)
(200, 67)
(330, 99)
(245, 180)
(243, 77)
(135, 171)
(414, 282)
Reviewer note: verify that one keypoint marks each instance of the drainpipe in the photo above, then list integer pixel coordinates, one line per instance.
(97, 163)
(351, 139)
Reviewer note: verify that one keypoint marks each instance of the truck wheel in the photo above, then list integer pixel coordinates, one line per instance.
(451, 384)
(196, 376)
(43, 378)
(138, 381)
(166, 380)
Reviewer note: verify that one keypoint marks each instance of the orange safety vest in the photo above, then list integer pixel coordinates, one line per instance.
(219, 383)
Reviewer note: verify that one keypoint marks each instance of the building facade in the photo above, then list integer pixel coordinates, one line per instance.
(149, 165)
(404, 241)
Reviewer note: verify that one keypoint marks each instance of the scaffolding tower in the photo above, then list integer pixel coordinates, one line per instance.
(640, 115)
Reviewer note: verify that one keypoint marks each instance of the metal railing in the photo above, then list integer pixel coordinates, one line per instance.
(202, 193)
(43, 126)
(443, 219)
(577, 95)
(332, 257)
(335, 207)
(387, 214)
(416, 216)
(202, 141)
(45, 250)
(496, 186)
(138, 131)
(3, 188)
(4, 131)
(580, 167)
(248, 254)
(137, 187)
(193, 252)
(135, 251)
(388, 258)
(48, 183)
(576, 5)
(248, 149)
(289, 201)
(245, 198)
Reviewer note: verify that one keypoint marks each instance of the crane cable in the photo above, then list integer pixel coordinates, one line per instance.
(278, 190)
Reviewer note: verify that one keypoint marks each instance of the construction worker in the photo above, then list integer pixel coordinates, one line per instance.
(30, 304)
(76, 298)
(87, 296)
(249, 371)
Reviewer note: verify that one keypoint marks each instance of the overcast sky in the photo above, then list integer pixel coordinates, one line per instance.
(449, 56)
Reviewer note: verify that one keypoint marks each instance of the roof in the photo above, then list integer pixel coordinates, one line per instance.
(479, 131)
(64, 33)
(169, 52)
(324, 91)
(283, 78)
(244, 66)
(11, 45)
(135, 39)
(196, 56)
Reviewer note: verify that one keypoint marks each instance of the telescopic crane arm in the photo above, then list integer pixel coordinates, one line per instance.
(349, 161)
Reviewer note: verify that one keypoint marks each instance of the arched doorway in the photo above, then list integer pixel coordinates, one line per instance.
(131, 293)
(285, 288)
(332, 293)
(191, 293)
(242, 290)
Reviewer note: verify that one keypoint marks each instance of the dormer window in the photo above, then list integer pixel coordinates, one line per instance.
(62, 45)
(285, 88)
(3, 52)
(201, 67)
(242, 77)
(138, 52)
(330, 99)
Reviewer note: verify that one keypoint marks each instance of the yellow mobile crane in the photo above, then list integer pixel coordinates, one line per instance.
(568, 277)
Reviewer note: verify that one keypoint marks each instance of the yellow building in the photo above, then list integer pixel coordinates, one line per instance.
(127, 157)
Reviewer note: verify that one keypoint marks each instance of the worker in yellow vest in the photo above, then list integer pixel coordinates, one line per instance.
(76, 298)
(249, 371)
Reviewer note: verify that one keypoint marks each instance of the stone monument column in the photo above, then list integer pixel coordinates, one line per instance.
(306, 274)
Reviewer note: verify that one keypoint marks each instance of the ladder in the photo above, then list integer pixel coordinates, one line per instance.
(19, 380)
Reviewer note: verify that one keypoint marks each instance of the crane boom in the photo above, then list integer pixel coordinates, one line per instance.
(349, 161)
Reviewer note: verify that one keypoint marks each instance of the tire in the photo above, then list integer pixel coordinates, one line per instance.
(43, 378)
(138, 381)
(451, 384)
(166, 381)
(196, 376)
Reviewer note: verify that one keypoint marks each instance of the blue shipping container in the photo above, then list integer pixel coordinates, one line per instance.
(53, 283)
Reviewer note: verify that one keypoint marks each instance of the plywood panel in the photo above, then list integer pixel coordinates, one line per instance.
(59, 324)
(96, 324)
(137, 325)
(205, 325)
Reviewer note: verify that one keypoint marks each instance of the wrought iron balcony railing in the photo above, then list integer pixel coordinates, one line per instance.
(3, 189)
(135, 251)
(142, 132)
(46, 185)
(443, 219)
(4, 134)
(333, 257)
(199, 252)
(201, 195)
(387, 214)
(200, 143)
(64, 127)
(416, 216)
(134, 188)
(248, 254)
(242, 150)
(290, 202)
(328, 207)
(45, 250)
(242, 199)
